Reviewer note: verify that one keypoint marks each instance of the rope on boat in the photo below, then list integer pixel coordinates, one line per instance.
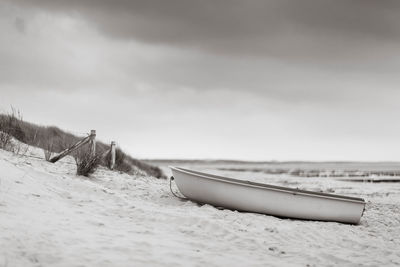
(172, 191)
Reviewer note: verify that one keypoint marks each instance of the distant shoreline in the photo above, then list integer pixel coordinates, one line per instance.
(266, 162)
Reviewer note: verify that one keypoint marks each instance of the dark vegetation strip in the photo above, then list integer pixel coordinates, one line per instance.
(316, 173)
(371, 180)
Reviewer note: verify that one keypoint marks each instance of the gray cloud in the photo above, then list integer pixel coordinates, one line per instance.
(309, 30)
(297, 51)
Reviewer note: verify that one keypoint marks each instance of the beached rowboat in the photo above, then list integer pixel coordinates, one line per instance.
(267, 199)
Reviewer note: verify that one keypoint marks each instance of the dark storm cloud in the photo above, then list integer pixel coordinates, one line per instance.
(309, 30)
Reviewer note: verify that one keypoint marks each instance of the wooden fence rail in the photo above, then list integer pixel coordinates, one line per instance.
(74, 147)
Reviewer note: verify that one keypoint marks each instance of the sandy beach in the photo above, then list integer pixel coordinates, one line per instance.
(296, 94)
(51, 217)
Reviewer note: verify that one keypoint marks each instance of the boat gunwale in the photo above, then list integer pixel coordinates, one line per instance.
(289, 190)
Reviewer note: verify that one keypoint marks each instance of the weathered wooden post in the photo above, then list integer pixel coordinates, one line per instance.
(73, 148)
(93, 143)
(112, 163)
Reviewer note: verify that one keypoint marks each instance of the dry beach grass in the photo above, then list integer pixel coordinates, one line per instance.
(53, 140)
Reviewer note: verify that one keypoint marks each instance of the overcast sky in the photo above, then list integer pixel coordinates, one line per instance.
(233, 79)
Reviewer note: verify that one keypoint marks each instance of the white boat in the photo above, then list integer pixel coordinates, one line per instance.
(273, 200)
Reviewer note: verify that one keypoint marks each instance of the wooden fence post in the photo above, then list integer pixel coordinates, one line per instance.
(93, 143)
(112, 163)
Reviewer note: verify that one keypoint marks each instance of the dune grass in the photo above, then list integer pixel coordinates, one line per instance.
(53, 140)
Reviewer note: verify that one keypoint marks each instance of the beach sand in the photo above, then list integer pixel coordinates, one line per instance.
(51, 217)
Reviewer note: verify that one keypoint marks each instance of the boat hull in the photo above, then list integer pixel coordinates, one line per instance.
(261, 198)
